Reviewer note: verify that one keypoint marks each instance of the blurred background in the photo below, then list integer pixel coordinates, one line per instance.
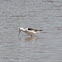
(39, 14)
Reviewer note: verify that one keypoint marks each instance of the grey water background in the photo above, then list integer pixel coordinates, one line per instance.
(40, 14)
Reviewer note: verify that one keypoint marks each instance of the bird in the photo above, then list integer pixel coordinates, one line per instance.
(29, 31)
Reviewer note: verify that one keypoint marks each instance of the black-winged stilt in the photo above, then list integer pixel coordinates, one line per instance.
(29, 31)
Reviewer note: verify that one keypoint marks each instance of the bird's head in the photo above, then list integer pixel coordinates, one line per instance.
(20, 29)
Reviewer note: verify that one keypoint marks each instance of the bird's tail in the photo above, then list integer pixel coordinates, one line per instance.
(39, 31)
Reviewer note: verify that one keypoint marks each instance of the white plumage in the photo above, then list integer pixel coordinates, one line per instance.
(29, 31)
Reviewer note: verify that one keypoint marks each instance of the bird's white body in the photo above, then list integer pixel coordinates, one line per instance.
(29, 31)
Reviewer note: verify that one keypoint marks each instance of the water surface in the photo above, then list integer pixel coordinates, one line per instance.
(40, 14)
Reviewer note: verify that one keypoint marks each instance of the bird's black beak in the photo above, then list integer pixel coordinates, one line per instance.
(19, 32)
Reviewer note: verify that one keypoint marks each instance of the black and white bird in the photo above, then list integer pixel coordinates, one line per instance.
(29, 31)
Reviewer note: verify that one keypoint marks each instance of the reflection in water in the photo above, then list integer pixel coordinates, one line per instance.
(33, 38)
(59, 28)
